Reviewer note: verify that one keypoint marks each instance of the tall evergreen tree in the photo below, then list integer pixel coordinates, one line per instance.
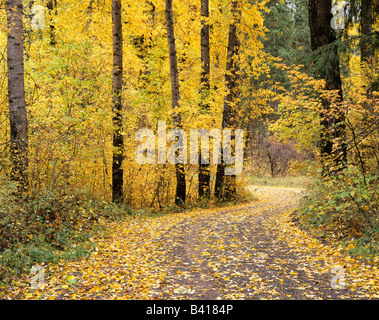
(288, 31)
(324, 44)
(369, 39)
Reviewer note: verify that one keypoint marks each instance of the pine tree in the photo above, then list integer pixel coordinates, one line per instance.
(324, 44)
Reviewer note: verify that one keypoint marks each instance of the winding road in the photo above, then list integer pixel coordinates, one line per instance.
(247, 251)
(252, 252)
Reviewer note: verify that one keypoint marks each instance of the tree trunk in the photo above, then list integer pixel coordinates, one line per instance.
(118, 141)
(204, 169)
(332, 136)
(367, 42)
(180, 195)
(51, 5)
(366, 21)
(16, 94)
(225, 185)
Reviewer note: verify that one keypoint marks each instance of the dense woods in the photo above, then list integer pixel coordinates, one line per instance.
(79, 80)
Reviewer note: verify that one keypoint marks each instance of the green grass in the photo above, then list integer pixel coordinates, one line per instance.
(294, 182)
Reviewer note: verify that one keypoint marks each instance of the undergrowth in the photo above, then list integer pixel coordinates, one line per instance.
(344, 209)
(50, 227)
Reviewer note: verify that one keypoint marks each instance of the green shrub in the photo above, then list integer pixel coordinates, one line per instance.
(345, 207)
(47, 227)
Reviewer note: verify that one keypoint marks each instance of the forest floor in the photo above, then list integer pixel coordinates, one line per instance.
(249, 251)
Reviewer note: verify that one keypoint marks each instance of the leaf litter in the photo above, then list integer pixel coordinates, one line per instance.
(246, 251)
